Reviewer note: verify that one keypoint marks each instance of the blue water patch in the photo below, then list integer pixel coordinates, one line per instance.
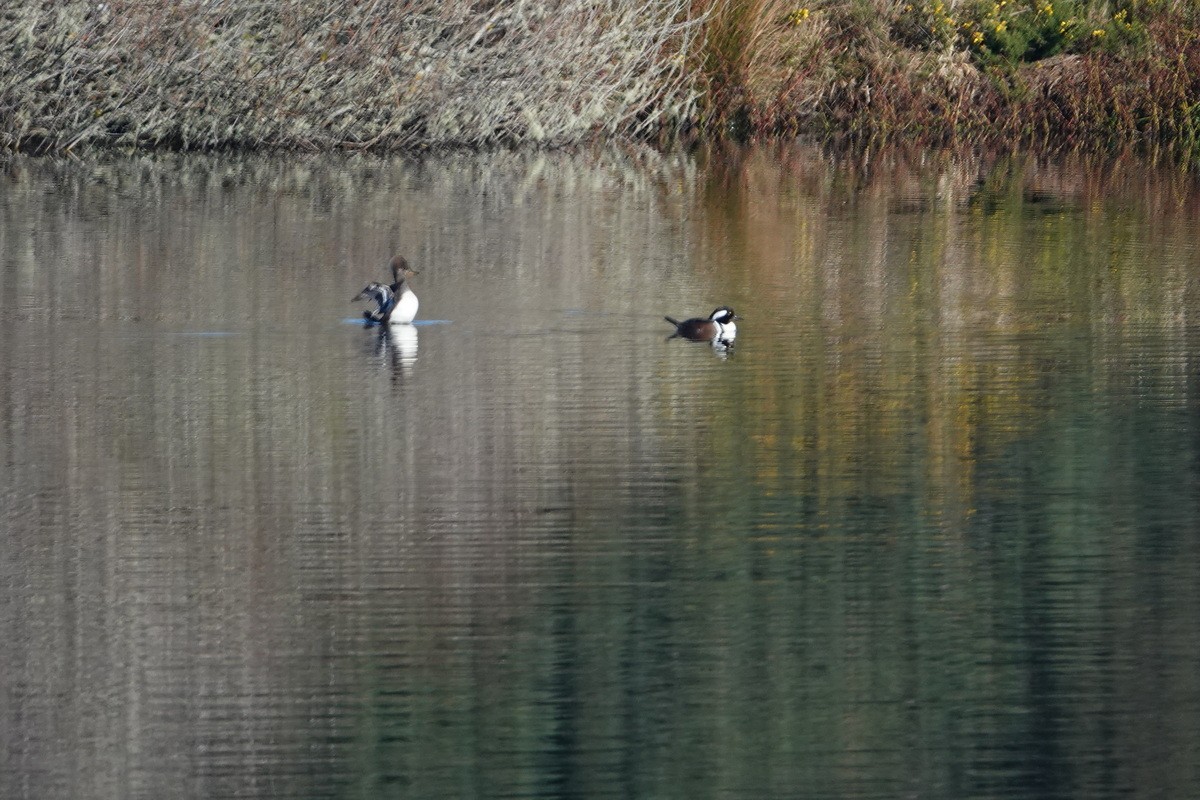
(419, 323)
(593, 312)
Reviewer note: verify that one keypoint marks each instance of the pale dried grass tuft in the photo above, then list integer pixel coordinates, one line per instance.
(204, 74)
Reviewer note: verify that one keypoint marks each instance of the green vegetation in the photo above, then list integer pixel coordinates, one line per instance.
(1044, 72)
(380, 75)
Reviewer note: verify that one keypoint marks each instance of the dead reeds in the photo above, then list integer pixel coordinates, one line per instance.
(205, 74)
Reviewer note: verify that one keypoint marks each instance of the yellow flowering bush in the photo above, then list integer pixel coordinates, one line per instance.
(1022, 30)
(997, 31)
(797, 17)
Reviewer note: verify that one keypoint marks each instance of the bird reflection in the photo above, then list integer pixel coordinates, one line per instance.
(722, 348)
(396, 348)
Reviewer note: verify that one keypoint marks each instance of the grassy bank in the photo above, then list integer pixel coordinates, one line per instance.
(204, 74)
(1058, 72)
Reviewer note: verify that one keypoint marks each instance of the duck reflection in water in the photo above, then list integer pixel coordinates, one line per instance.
(396, 349)
(722, 348)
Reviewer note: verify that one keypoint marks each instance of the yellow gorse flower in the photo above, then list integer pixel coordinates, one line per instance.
(798, 16)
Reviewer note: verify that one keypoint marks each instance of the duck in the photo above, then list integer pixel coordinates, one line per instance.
(397, 303)
(720, 326)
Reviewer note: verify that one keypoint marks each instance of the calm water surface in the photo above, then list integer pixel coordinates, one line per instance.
(931, 529)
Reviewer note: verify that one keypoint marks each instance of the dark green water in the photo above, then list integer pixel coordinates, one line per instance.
(931, 529)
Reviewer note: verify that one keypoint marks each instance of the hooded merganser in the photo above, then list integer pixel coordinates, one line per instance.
(719, 326)
(397, 305)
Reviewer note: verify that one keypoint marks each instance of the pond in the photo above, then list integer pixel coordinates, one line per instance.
(929, 528)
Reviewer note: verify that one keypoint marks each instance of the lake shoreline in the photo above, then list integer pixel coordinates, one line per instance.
(226, 76)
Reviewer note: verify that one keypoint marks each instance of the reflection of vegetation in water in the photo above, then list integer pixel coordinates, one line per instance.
(927, 531)
(935, 451)
(956, 341)
(884, 558)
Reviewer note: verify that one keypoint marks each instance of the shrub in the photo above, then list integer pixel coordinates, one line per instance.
(1013, 32)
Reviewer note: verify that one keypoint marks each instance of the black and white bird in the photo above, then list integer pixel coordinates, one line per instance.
(720, 326)
(396, 304)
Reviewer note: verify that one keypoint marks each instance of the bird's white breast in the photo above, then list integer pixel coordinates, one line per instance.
(406, 308)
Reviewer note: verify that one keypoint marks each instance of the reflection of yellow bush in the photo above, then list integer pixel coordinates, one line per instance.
(926, 353)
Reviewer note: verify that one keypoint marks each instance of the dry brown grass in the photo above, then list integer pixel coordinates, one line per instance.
(376, 73)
